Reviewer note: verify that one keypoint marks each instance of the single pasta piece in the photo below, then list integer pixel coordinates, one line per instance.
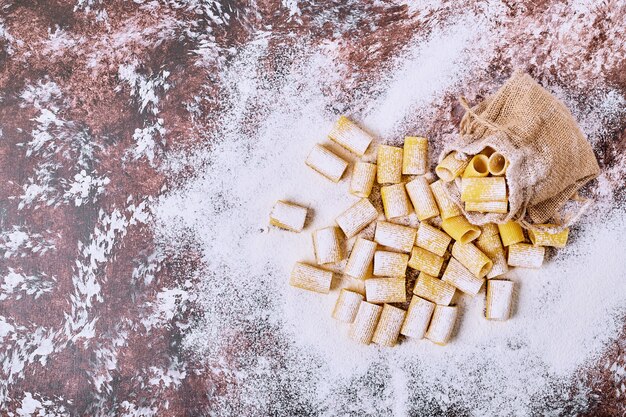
(526, 255)
(360, 258)
(425, 261)
(347, 134)
(395, 236)
(472, 258)
(310, 278)
(487, 206)
(363, 176)
(432, 239)
(556, 240)
(288, 216)
(459, 277)
(327, 245)
(511, 233)
(385, 290)
(497, 164)
(483, 189)
(347, 306)
(451, 167)
(499, 299)
(433, 289)
(415, 155)
(388, 328)
(422, 198)
(395, 201)
(442, 324)
(460, 229)
(390, 264)
(365, 322)
(447, 207)
(326, 163)
(477, 167)
(489, 243)
(357, 217)
(417, 317)
(389, 163)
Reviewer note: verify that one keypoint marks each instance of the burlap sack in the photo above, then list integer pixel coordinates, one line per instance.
(550, 159)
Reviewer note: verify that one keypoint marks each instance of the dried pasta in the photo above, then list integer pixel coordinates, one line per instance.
(357, 217)
(460, 229)
(487, 206)
(472, 258)
(417, 317)
(415, 155)
(483, 189)
(288, 216)
(499, 299)
(447, 207)
(325, 162)
(388, 327)
(489, 243)
(497, 164)
(362, 181)
(395, 201)
(385, 290)
(511, 233)
(360, 259)
(433, 289)
(327, 245)
(442, 324)
(389, 161)
(541, 238)
(390, 264)
(425, 261)
(526, 255)
(310, 278)
(395, 236)
(362, 330)
(451, 167)
(347, 306)
(347, 134)
(432, 239)
(477, 167)
(422, 198)
(461, 278)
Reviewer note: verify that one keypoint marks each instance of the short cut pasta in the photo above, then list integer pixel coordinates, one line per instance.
(447, 207)
(415, 155)
(451, 166)
(497, 164)
(395, 236)
(432, 239)
(433, 289)
(389, 162)
(525, 255)
(511, 233)
(327, 245)
(442, 324)
(347, 134)
(499, 299)
(542, 238)
(357, 217)
(362, 330)
(461, 278)
(417, 318)
(477, 167)
(460, 229)
(360, 260)
(478, 189)
(395, 201)
(310, 278)
(425, 261)
(489, 243)
(288, 216)
(388, 327)
(390, 264)
(325, 162)
(347, 306)
(385, 290)
(422, 198)
(362, 181)
(501, 207)
(472, 258)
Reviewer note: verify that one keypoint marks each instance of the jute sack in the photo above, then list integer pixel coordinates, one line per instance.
(550, 159)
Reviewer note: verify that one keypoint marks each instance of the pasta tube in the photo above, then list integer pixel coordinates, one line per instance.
(365, 322)
(499, 299)
(385, 290)
(327, 245)
(357, 217)
(324, 161)
(389, 163)
(360, 258)
(477, 167)
(395, 236)
(310, 278)
(459, 277)
(489, 243)
(363, 176)
(487, 206)
(460, 229)
(472, 258)
(433, 289)
(347, 306)
(422, 198)
(487, 151)
(390, 264)
(511, 233)
(395, 201)
(451, 167)
(425, 261)
(497, 164)
(447, 207)
(442, 324)
(483, 189)
(288, 216)
(432, 239)
(526, 255)
(417, 318)
(350, 136)
(388, 328)
(415, 156)
(540, 238)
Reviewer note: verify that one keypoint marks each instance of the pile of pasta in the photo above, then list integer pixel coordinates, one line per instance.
(451, 255)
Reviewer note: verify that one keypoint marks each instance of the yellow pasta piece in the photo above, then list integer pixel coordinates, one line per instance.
(497, 164)
(556, 240)
(395, 236)
(363, 176)
(347, 306)
(425, 261)
(432, 239)
(487, 206)
(288, 216)
(422, 198)
(327, 245)
(347, 134)
(489, 243)
(310, 278)
(390, 264)
(461, 278)
(477, 167)
(483, 189)
(388, 327)
(433, 289)
(365, 322)
(451, 167)
(499, 299)
(442, 324)
(472, 258)
(357, 217)
(417, 318)
(360, 258)
(395, 201)
(385, 290)
(447, 207)
(389, 163)
(460, 229)
(415, 156)
(511, 233)
(325, 162)
(526, 255)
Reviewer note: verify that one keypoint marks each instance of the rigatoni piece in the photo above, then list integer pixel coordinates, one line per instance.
(390, 264)
(483, 189)
(395, 201)
(499, 299)
(350, 136)
(327, 245)
(472, 258)
(395, 236)
(451, 166)
(417, 318)
(288, 216)
(477, 167)
(487, 206)
(447, 207)
(556, 240)
(360, 258)
(362, 330)
(432, 239)
(497, 164)
(388, 327)
(357, 217)
(433, 289)
(347, 306)
(362, 181)
(422, 198)
(310, 278)
(415, 156)
(526, 255)
(489, 243)
(425, 261)
(442, 324)
(385, 290)
(511, 233)
(461, 278)
(325, 162)
(460, 229)
(389, 163)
